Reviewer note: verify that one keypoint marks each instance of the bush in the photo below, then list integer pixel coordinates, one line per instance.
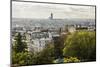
(71, 60)
(22, 58)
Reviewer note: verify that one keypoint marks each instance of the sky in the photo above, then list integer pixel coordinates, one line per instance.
(43, 11)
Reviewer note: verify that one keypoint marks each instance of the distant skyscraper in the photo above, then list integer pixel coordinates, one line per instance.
(51, 16)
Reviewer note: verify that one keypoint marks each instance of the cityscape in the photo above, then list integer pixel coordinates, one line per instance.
(40, 35)
(48, 40)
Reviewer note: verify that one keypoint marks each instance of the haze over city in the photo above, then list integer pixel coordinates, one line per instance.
(43, 11)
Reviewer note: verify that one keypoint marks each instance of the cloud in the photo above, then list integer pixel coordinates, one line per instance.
(41, 10)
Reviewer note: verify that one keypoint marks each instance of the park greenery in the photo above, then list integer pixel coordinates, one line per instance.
(82, 45)
(75, 47)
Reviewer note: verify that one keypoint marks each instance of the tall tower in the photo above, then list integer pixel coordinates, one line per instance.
(51, 16)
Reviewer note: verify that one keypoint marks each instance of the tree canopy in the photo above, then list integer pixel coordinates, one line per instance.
(20, 44)
(82, 45)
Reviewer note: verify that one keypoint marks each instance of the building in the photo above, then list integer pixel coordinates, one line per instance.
(70, 28)
(51, 16)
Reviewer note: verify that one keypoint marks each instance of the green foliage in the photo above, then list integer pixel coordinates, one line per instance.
(78, 46)
(20, 44)
(18, 58)
(19, 53)
(82, 45)
(58, 46)
(71, 60)
(46, 56)
(22, 58)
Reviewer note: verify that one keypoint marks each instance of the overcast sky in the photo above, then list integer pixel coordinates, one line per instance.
(43, 11)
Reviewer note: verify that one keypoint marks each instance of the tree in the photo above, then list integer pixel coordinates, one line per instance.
(58, 47)
(22, 58)
(20, 44)
(46, 56)
(82, 45)
(19, 53)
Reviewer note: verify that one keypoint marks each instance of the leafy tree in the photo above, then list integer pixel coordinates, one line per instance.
(58, 46)
(22, 58)
(46, 56)
(82, 45)
(19, 58)
(20, 44)
(19, 53)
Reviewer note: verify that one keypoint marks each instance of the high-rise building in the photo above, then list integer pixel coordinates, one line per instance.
(51, 16)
